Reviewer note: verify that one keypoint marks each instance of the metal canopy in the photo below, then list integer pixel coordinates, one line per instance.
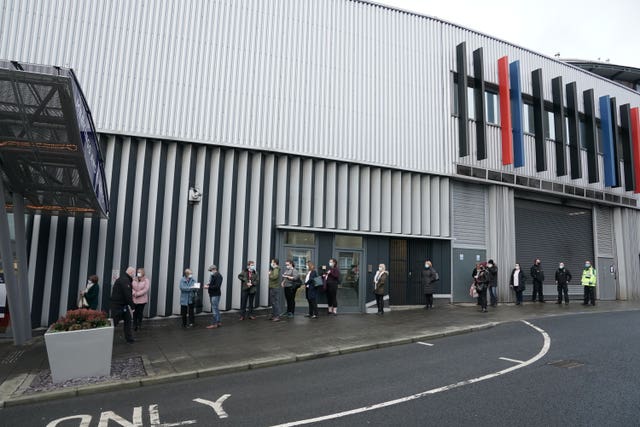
(49, 150)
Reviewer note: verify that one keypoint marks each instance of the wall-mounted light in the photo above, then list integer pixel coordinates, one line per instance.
(195, 196)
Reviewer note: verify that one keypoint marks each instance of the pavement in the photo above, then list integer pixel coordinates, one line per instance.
(171, 353)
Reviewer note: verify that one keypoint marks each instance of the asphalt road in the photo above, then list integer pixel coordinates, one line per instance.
(588, 377)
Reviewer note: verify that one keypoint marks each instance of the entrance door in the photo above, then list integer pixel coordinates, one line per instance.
(349, 263)
(607, 274)
(464, 261)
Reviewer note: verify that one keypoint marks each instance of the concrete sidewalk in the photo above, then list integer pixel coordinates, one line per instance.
(171, 353)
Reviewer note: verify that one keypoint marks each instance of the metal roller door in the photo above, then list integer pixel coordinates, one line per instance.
(553, 233)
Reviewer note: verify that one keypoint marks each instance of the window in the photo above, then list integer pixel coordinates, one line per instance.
(493, 107)
(348, 241)
(550, 129)
(528, 125)
(583, 135)
(470, 101)
(299, 238)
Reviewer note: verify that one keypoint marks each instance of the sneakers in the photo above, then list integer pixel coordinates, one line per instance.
(252, 317)
(212, 326)
(314, 316)
(241, 317)
(275, 319)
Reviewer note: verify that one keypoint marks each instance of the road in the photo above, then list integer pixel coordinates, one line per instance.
(585, 374)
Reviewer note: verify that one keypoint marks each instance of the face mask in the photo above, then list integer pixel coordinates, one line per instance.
(189, 276)
(587, 265)
(381, 268)
(427, 266)
(517, 267)
(330, 264)
(252, 267)
(139, 274)
(489, 265)
(273, 265)
(561, 266)
(89, 282)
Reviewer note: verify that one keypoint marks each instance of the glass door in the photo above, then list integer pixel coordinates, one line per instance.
(349, 263)
(300, 256)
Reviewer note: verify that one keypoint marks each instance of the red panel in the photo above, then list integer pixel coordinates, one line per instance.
(505, 111)
(635, 144)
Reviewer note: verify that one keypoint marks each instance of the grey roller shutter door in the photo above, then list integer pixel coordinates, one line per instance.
(553, 233)
(604, 231)
(469, 214)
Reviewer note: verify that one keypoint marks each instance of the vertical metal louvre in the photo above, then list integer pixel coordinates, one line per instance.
(469, 219)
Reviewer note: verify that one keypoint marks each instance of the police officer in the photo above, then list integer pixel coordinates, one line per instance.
(563, 277)
(589, 277)
(537, 274)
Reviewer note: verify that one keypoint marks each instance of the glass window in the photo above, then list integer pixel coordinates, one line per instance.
(528, 125)
(599, 139)
(583, 134)
(493, 107)
(550, 125)
(348, 241)
(471, 103)
(299, 238)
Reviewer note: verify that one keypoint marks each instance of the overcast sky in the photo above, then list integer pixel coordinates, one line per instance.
(577, 29)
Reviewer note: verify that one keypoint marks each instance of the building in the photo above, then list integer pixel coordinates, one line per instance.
(329, 128)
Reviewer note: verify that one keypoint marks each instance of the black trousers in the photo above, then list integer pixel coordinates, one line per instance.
(290, 296)
(537, 290)
(246, 303)
(563, 289)
(313, 306)
(429, 298)
(192, 316)
(380, 303)
(332, 294)
(590, 295)
(123, 313)
(138, 314)
(482, 297)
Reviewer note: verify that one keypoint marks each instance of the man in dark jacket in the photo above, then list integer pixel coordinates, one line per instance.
(215, 291)
(492, 269)
(563, 277)
(122, 302)
(537, 274)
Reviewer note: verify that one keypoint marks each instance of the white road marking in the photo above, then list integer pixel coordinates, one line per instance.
(217, 405)
(543, 351)
(510, 360)
(424, 343)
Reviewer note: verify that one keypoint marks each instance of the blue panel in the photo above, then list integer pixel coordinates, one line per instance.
(516, 114)
(607, 142)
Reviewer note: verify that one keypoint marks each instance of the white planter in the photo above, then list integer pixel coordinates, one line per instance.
(78, 354)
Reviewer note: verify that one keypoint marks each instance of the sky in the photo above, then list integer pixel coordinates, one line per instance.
(576, 29)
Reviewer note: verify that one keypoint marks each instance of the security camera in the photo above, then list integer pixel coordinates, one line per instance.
(195, 196)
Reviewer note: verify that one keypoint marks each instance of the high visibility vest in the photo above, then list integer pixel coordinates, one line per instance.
(589, 277)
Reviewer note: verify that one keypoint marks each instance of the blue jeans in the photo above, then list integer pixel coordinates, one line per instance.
(215, 302)
(493, 295)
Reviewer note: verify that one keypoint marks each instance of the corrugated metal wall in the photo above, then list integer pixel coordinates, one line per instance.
(501, 236)
(468, 204)
(626, 225)
(327, 78)
(246, 195)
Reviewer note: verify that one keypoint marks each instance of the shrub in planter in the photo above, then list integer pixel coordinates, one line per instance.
(80, 345)
(82, 318)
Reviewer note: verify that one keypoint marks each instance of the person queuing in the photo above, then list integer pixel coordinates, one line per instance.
(482, 284)
(140, 290)
(563, 277)
(311, 291)
(517, 283)
(91, 294)
(588, 281)
(332, 278)
(492, 269)
(121, 302)
(537, 274)
(274, 290)
(187, 298)
(290, 284)
(428, 277)
(379, 281)
(214, 288)
(249, 279)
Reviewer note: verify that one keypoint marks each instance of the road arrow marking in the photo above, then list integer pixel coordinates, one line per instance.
(510, 360)
(217, 405)
(424, 343)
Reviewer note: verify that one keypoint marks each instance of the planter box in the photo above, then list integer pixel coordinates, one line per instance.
(79, 354)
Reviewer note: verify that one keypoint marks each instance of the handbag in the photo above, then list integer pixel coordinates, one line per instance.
(317, 281)
(82, 302)
(473, 293)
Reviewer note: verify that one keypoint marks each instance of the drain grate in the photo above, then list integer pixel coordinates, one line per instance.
(567, 364)
(11, 357)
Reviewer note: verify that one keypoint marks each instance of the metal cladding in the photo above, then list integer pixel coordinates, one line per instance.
(49, 150)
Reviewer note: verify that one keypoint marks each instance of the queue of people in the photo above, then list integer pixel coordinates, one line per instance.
(130, 292)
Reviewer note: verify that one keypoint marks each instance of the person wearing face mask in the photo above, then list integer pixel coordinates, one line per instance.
(428, 277)
(122, 302)
(214, 288)
(379, 281)
(588, 281)
(516, 282)
(482, 284)
(249, 279)
(537, 274)
(140, 290)
(311, 291)
(187, 298)
(90, 294)
(563, 277)
(275, 290)
(290, 284)
(332, 279)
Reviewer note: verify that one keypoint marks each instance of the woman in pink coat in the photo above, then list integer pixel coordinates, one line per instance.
(140, 291)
